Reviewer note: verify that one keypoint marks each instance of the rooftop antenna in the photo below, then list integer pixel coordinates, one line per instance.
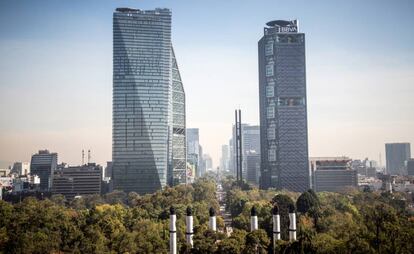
(89, 156)
(83, 157)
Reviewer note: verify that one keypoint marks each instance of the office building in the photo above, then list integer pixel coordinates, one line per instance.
(250, 135)
(148, 103)
(208, 162)
(224, 160)
(108, 170)
(371, 172)
(253, 168)
(43, 164)
(410, 167)
(251, 146)
(332, 173)
(397, 155)
(21, 168)
(283, 107)
(179, 144)
(201, 170)
(193, 151)
(232, 156)
(251, 138)
(78, 181)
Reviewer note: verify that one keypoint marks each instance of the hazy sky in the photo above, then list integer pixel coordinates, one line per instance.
(56, 72)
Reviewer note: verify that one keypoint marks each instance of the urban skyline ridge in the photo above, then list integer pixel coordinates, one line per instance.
(69, 142)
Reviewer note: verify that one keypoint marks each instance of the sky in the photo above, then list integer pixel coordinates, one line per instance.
(56, 72)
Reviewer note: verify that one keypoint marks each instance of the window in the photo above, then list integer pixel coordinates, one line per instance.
(271, 82)
(271, 112)
(290, 101)
(269, 49)
(271, 133)
(272, 155)
(277, 38)
(270, 91)
(269, 70)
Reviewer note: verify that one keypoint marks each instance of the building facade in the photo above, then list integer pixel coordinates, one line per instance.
(250, 135)
(21, 168)
(224, 160)
(410, 167)
(108, 170)
(193, 144)
(333, 174)
(78, 181)
(283, 107)
(179, 144)
(397, 155)
(147, 141)
(208, 162)
(252, 168)
(44, 164)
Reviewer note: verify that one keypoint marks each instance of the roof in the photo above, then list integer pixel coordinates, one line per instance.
(279, 23)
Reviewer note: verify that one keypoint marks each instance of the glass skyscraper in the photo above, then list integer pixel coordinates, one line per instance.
(44, 164)
(179, 144)
(283, 113)
(194, 155)
(397, 155)
(148, 138)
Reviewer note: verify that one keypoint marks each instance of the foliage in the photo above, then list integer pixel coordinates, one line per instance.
(348, 222)
(306, 201)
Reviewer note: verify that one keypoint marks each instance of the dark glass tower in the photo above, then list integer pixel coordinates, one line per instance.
(283, 114)
(44, 164)
(148, 103)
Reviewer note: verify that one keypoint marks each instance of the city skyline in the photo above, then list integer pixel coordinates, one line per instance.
(56, 106)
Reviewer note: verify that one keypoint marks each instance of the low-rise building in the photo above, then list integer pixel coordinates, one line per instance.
(332, 173)
(78, 181)
(4, 172)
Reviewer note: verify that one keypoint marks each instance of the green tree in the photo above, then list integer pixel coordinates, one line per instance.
(58, 199)
(305, 202)
(257, 242)
(6, 216)
(234, 244)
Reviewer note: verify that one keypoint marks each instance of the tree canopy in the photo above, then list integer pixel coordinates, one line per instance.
(357, 222)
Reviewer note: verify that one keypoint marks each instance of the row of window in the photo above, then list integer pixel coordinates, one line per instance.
(282, 39)
(282, 101)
